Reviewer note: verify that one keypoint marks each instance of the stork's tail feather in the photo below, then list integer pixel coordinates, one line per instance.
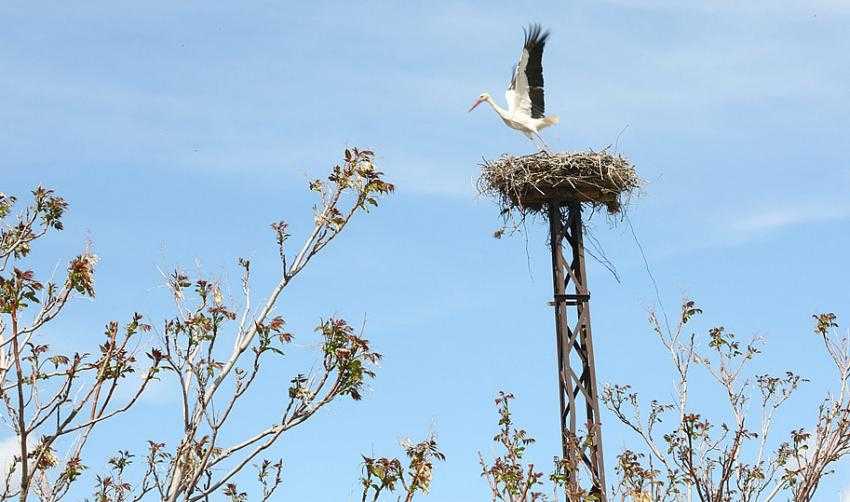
(550, 120)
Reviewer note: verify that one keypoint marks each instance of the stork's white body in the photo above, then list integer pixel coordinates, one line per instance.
(518, 118)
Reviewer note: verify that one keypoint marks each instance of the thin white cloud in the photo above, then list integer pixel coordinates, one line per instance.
(737, 226)
(437, 176)
(775, 218)
(8, 448)
(760, 7)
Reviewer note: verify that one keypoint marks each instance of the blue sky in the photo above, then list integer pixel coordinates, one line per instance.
(180, 131)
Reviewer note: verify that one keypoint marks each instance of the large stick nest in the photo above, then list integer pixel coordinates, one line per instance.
(530, 182)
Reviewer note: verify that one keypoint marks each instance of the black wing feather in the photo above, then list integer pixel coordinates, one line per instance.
(535, 41)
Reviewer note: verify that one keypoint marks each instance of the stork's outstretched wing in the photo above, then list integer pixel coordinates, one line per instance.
(525, 94)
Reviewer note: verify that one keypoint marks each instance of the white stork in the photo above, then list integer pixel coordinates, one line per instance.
(525, 94)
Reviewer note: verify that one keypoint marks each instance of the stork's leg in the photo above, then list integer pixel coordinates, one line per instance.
(538, 142)
(544, 147)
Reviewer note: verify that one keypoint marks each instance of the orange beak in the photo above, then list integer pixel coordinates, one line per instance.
(477, 102)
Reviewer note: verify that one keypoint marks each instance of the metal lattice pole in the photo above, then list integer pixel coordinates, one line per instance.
(578, 391)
